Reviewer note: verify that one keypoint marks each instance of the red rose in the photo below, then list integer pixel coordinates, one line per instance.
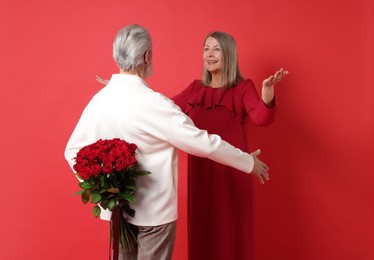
(80, 163)
(99, 142)
(93, 154)
(121, 164)
(108, 168)
(117, 142)
(108, 159)
(110, 144)
(96, 169)
(84, 152)
(103, 148)
(85, 173)
(132, 148)
(101, 156)
(116, 152)
(131, 161)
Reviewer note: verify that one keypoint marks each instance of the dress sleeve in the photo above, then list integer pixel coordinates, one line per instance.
(181, 98)
(260, 114)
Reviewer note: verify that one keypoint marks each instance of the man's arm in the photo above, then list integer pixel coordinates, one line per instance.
(187, 137)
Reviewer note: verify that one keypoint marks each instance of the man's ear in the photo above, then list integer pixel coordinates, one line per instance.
(148, 57)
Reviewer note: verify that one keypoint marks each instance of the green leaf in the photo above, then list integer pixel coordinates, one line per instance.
(129, 210)
(142, 173)
(95, 198)
(111, 195)
(128, 197)
(112, 204)
(131, 187)
(85, 196)
(85, 185)
(78, 192)
(102, 180)
(96, 211)
(104, 203)
(113, 190)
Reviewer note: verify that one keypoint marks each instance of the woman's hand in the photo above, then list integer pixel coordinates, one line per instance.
(260, 169)
(102, 81)
(268, 86)
(273, 79)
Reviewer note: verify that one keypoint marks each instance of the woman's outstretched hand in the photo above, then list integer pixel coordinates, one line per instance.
(273, 79)
(268, 86)
(260, 169)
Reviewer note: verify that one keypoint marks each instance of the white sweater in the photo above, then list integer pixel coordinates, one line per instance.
(128, 109)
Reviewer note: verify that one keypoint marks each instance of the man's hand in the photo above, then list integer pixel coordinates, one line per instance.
(260, 169)
(102, 81)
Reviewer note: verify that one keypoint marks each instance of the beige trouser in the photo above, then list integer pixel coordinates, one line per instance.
(154, 243)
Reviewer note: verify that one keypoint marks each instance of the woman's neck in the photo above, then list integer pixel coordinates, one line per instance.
(216, 81)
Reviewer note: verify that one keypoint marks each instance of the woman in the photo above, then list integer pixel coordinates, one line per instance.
(220, 201)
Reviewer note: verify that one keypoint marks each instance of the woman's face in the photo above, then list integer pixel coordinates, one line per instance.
(212, 56)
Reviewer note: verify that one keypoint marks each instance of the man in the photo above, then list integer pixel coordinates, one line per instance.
(128, 109)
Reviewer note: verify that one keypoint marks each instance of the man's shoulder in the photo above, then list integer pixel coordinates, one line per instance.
(160, 99)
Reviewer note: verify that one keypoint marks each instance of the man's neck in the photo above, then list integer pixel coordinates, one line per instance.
(139, 73)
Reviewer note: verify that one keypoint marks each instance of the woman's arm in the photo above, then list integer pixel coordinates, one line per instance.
(182, 98)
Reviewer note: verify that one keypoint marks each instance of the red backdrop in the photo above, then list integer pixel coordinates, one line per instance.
(319, 202)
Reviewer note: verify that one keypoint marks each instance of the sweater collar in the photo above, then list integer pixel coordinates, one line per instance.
(126, 78)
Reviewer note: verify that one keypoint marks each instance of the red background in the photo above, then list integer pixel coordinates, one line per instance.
(319, 202)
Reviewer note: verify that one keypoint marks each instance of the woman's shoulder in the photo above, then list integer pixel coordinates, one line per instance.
(194, 86)
(246, 83)
(196, 83)
(244, 86)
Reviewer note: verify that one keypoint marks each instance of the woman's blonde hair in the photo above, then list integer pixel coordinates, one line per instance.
(230, 67)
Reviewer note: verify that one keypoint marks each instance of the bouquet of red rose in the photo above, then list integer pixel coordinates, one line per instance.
(108, 170)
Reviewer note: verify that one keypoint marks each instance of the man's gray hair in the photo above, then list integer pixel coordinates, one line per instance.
(130, 45)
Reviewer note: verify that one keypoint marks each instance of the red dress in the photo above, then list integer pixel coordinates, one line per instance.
(220, 198)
